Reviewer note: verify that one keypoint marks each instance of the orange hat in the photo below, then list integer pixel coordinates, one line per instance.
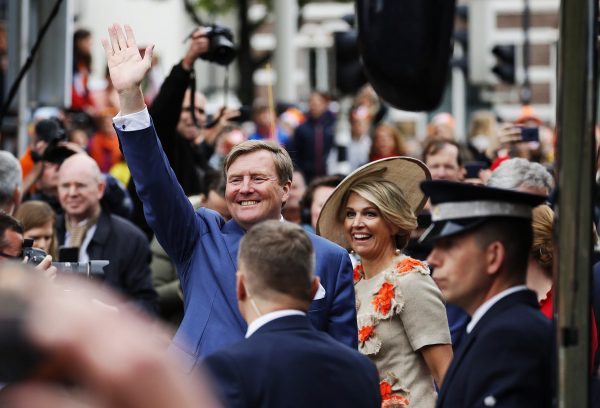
(528, 114)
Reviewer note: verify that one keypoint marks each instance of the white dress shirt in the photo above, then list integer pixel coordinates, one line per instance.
(487, 305)
(264, 319)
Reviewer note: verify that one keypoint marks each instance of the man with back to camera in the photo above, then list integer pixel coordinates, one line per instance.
(284, 361)
(482, 238)
(202, 245)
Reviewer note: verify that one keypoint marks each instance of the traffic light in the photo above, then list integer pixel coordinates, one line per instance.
(505, 63)
(349, 75)
(461, 37)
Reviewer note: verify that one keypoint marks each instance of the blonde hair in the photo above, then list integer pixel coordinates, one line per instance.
(542, 250)
(36, 214)
(483, 122)
(396, 135)
(390, 201)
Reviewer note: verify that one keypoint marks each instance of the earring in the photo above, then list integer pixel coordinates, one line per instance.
(397, 252)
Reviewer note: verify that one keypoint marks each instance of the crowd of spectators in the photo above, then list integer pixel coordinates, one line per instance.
(73, 194)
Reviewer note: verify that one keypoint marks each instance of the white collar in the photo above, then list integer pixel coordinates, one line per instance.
(487, 305)
(264, 319)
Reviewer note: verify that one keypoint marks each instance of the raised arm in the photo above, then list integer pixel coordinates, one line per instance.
(167, 209)
(127, 67)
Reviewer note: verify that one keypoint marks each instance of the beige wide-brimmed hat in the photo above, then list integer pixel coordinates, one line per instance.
(406, 172)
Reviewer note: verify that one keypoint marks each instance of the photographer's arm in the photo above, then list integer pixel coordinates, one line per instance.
(166, 107)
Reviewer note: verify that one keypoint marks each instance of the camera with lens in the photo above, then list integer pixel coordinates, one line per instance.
(221, 49)
(52, 132)
(90, 269)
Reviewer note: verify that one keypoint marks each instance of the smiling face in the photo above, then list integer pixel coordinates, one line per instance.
(80, 187)
(369, 234)
(253, 191)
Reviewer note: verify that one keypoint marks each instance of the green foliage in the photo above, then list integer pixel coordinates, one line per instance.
(215, 6)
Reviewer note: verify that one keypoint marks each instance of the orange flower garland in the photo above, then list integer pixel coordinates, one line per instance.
(358, 272)
(382, 301)
(408, 264)
(389, 399)
(386, 390)
(365, 332)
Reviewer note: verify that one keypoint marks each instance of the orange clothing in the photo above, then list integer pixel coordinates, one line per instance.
(26, 162)
(104, 149)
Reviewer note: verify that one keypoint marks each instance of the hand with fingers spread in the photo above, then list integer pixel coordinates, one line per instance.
(126, 66)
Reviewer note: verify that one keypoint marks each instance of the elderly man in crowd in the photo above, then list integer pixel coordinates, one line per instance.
(202, 245)
(522, 175)
(101, 235)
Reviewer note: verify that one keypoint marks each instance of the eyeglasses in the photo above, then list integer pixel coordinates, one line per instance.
(7, 256)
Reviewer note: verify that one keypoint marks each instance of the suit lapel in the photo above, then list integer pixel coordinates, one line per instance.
(232, 234)
(100, 237)
(522, 296)
(467, 341)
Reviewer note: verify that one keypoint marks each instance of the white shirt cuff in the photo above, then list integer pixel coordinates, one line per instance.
(134, 121)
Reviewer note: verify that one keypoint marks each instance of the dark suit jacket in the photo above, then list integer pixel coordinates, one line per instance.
(125, 246)
(507, 358)
(204, 249)
(287, 363)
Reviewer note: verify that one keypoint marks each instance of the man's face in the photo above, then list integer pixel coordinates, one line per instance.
(459, 270)
(253, 192)
(79, 190)
(317, 105)
(444, 164)
(186, 126)
(320, 196)
(48, 182)
(14, 245)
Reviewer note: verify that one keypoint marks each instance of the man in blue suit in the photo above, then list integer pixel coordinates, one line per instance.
(284, 361)
(482, 238)
(201, 244)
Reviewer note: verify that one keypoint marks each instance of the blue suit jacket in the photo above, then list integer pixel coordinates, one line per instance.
(204, 249)
(507, 358)
(287, 363)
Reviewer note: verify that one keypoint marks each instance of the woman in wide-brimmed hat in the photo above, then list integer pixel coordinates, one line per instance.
(401, 315)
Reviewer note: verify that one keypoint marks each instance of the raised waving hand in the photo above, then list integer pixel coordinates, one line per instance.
(126, 66)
